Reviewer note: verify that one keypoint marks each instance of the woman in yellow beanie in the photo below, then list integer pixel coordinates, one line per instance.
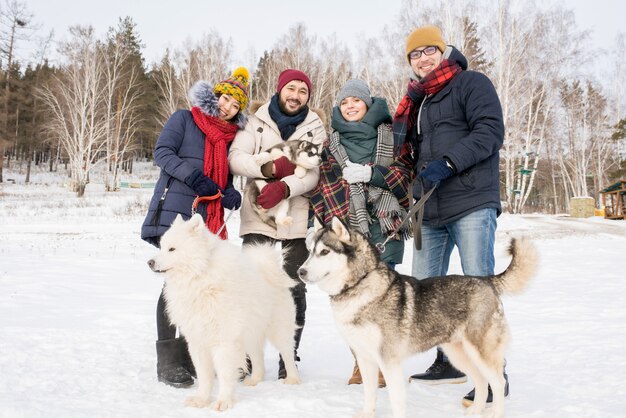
(451, 119)
(192, 153)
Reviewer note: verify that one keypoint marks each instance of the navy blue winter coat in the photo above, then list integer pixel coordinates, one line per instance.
(464, 123)
(178, 151)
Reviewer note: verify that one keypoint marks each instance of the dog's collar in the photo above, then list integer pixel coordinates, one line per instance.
(346, 289)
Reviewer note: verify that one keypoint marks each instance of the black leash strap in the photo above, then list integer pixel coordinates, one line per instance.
(156, 217)
(417, 226)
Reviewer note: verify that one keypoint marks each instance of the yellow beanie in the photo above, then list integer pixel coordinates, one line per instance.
(236, 86)
(425, 36)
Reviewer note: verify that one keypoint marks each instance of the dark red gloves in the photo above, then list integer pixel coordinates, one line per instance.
(283, 168)
(272, 194)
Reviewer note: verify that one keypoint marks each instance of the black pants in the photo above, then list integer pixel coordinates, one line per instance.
(294, 258)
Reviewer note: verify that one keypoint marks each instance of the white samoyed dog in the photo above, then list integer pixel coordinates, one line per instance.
(226, 300)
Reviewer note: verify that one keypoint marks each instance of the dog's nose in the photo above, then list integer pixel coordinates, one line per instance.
(151, 264)
(302, 273)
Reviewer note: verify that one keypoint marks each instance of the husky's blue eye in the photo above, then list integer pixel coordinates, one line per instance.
(324, 252)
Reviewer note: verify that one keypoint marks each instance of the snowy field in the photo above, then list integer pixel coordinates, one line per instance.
(77, 328)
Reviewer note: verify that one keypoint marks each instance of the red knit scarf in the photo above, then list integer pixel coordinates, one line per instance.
(219, 133)
(437, 79)
(406, 114)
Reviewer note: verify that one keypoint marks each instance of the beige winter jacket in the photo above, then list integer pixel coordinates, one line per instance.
(261, 133)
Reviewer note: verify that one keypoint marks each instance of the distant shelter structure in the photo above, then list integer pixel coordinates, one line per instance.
(614, 200)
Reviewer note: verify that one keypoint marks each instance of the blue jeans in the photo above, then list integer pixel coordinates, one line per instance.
(474, 236)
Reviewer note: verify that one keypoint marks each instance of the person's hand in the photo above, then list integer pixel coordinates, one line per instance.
(231, 199)
(201, 184)
(283, 168)
(272, 194)
(435, 173)
(357, 173)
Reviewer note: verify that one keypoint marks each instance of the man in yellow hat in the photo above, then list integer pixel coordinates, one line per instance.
(451, 119)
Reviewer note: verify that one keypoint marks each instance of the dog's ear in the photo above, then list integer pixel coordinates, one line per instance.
(178, 219)
(196, 222)
(302, 145)
(317, 225)
(340, 229)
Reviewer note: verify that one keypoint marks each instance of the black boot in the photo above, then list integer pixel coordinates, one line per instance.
(187, 363)
(441, 371)
(468, 399)
(171, 357)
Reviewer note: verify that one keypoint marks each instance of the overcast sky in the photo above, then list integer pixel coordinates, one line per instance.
(256, 25)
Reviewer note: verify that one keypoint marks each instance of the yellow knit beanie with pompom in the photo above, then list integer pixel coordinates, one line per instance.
(236, 86)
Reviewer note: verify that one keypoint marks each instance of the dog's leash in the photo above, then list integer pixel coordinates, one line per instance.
(198, 199)
(219, 231)
(417, 232)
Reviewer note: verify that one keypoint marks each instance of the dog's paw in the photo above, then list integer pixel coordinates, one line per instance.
(474, 410)
(300, 172)
(197, 401)
(286, 221)
(251, 381)
(262, 158)
(222, 404)
(364, 414)
(291, 380)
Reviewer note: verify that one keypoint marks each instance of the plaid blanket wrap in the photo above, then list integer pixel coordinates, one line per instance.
(335, 197)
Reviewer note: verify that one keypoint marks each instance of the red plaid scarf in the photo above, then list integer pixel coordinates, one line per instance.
(219, 133)
(405, 117)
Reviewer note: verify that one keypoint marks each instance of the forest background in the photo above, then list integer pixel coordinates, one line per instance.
(99, 105)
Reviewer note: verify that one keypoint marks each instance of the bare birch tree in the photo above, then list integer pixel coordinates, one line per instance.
(121, 70)
(75, 101)
(209, 60)
(171, 98)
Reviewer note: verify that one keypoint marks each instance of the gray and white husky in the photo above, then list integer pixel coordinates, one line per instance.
(386, 317)
(304, 155)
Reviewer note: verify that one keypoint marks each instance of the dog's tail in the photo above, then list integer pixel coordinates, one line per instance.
(269, 263)
(523, 267)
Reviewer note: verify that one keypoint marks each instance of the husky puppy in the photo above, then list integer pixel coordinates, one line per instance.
(226, 300)
(304, 155)
(386, 317)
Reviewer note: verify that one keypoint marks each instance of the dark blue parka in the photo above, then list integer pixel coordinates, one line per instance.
(178, 151)
(462, 122)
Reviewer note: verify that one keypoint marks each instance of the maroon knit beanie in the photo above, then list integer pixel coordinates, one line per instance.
(290, 75)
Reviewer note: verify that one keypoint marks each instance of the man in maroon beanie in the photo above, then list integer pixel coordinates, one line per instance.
(285, 117)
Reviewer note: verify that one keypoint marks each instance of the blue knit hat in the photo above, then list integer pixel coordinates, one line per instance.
(355, 88)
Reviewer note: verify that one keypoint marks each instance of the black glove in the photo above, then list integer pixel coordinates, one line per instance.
(231, 199)
(201, 184)
(436, 172)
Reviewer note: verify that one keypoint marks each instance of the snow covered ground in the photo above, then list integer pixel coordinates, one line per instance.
(77, 326)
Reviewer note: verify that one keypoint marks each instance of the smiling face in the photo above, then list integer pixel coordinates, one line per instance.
(352, 109)
(228, 107)
(426, 63)
(293, 97)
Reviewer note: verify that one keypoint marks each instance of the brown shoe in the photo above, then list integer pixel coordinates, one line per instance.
(355, 379)
(381, 379)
